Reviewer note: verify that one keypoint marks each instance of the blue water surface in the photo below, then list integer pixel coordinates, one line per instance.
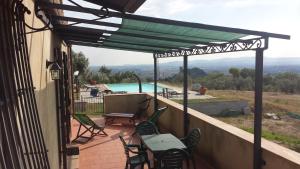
(133, 87)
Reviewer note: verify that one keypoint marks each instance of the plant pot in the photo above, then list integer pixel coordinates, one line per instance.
(93, 82)
(203, 90)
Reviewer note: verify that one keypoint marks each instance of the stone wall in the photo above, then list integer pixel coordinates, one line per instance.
(222, 145)
(122, 103)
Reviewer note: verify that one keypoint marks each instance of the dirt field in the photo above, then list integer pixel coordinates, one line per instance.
(285, 131)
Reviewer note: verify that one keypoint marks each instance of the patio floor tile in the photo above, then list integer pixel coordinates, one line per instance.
(107, 152)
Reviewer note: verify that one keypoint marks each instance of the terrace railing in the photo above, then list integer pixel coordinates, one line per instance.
(87, 104)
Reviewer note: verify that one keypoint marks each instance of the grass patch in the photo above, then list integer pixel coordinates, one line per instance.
(192, 101)
(292, 142)
(92, 109)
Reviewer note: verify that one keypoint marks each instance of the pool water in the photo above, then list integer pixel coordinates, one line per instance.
(133, 87)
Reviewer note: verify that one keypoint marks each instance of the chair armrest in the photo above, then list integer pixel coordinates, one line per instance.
(183, 139)
(130, 146)
(139, 152)
(133, 145)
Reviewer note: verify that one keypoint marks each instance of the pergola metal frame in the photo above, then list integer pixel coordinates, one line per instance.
(258, 44)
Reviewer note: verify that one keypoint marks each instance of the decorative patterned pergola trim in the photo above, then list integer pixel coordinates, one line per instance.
(241, 45)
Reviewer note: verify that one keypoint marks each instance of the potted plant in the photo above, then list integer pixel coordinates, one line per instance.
(93, 82)
(202, 90)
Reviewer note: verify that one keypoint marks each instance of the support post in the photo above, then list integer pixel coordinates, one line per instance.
(155, 84)
(258, 161)
(185, 94)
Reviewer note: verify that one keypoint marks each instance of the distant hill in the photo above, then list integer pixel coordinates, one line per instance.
(271, 65)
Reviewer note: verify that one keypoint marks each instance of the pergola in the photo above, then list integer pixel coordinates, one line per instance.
(164, 38)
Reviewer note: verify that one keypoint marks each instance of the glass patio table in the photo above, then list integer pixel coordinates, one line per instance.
(161, 142)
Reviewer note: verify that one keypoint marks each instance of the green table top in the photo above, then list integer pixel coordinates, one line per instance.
(162, 142)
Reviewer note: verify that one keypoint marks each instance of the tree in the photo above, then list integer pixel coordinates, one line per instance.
(80, 62)
(104, 74)
(235, 72)
(196, 72)
(287, 82)
(246, 72)
(193, 73)
(104, 70)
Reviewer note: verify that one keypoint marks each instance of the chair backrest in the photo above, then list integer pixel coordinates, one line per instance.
(126, 149)
(172, 159)
(155, 116)
(192, 139)
(84, 119)
(146, 128)
(143, 106)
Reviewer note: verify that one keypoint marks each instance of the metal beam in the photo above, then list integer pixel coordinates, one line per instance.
(79, 20)
(71, 34)
(45, 4)
(185, 95)
(80, 43)
(155, 84)
(258, 161)
(83, 39)
(100, 45)
(140, 44)
(127, 48)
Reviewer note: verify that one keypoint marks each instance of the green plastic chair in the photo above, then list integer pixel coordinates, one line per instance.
(191, 141)
(89, 126)
(138, 159)
(155, 116)
(146, 128)
(172, 159)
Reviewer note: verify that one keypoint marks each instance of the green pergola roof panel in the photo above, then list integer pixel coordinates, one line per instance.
(144, 35)
(145, 41)
(165, 35)
(176, 30)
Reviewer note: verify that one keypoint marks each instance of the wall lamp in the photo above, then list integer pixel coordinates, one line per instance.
(54, 69)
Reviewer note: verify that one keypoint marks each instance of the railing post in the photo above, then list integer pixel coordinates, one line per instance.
(155, 84)
(258, 161)
(185, 94)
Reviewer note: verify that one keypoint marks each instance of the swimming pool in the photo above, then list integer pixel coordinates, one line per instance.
(133, 87)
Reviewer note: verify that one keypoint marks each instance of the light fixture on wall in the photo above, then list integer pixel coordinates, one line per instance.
(54, 69)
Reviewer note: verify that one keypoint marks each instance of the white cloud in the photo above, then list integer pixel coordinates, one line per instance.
(256, 3)
(177, 6)
(158, 8)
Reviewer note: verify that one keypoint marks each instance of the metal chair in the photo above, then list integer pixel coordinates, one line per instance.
(191, 141)
(133, 161)
(172, 159)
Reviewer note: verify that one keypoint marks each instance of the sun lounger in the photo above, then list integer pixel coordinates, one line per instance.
(89, 126)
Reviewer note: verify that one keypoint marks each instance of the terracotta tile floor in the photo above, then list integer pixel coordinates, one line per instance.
(107, 152)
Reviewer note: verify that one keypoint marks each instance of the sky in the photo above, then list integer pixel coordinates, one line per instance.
(276, 16)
